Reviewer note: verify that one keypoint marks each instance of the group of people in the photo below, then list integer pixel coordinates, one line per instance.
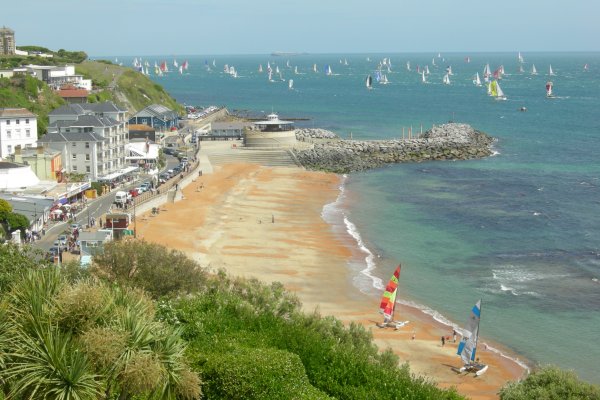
(447, 338)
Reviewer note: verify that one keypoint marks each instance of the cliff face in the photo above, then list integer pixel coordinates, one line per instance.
(444, 142)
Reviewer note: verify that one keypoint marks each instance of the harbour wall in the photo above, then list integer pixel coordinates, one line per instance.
(452, 141)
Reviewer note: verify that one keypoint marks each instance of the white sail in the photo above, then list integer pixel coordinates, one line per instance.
(296, 70)
(467, 348)
(433, 61)
(550, 72)
(533, 70)
(384, 80)
(520, 58)
(423, 79)
(291, 84)
(277, 69)
(260, 69)
(427, 70)
(314, 67)
(446, 79)
(500, 95)
(477, 81)
(408, 65)
(328, 71)
(369, 82)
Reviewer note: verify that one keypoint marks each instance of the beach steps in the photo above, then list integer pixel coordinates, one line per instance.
(268, 158)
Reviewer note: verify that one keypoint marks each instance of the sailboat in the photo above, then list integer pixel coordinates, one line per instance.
(476, 80)
(427, 70)
(550, 72)
(291, 84)
(384, 80)
(549, 86)
(328, 70)
(260, 69)
(521, 70)
(388, 303)
(533, 70)
(487, 72)
(467, 348)
(408, 65)
(446, 79)
(496, 91)
(449, 70)
(296, 70)
(423, 78)
(520, 58)
(369, 82)
(315, 68)
(586, 68)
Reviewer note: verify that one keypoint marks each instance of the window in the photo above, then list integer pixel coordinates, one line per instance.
(9, 148)
(27, 133)
(26, 120)
(74, 156)
(73, 144)
(18, 121)
(87, 145)
(74, 167)
(87, 157)
(8, 122)
(87, 169)
(8, 134)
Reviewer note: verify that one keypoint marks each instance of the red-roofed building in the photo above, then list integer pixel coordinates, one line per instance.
(72, 94)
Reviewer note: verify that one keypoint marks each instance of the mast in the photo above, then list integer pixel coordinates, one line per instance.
(477, 332)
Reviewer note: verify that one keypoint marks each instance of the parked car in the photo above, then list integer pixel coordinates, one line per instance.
(168, 150)
(62, 239)
(134, 192)
(146, 186)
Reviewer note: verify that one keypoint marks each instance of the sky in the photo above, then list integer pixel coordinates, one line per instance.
(212, 27)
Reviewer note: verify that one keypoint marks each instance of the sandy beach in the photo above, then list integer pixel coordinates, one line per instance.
(265, 222)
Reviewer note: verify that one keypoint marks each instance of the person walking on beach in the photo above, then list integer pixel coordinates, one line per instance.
(454, 335)
(443, 341)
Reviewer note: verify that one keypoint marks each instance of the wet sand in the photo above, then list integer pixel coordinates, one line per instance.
(266, 223)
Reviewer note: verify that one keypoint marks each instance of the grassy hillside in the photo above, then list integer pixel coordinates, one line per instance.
(124, 86)
(29, 93)
(60, 57)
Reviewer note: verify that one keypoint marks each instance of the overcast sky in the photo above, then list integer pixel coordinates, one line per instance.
(164, 27)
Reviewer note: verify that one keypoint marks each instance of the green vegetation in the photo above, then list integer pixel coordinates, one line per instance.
(550, 383)
(59, 57)
(94, 334)
(125, 86)
(10, 220)
(32, 94)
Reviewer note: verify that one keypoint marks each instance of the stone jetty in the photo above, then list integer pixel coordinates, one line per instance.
(452, 141)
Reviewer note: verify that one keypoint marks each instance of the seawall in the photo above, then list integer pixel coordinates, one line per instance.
(452, 141)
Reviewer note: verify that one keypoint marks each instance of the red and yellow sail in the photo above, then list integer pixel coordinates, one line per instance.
(388, 301)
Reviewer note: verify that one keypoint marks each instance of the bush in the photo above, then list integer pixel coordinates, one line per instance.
(550, 383)
(257, 374)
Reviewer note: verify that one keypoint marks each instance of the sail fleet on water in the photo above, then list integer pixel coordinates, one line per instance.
(379, 72)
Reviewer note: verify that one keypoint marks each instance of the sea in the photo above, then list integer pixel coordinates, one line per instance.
(519, 230)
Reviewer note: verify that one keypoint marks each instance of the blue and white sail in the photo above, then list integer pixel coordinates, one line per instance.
(467, 347)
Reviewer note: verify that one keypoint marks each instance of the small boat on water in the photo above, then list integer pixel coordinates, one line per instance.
(467, 348)
(586, 68)
(476, 80)
(533, 70)
(550, 71)
(291, 84)
(520, 58)
(388, 303)
(384, 80)
(315, 68)
(328, 70)
(369, 82)
(549, 87)
(446, 79)
(423, 78)
(260, 68)
(496, 91)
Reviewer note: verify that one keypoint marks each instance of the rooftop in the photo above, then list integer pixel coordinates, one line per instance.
(16, 112)
(69, 93)
(140, 127)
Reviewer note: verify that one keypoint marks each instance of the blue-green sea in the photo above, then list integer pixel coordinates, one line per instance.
(521, 229)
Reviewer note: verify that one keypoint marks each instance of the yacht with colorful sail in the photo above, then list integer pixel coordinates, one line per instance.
(467, 348)
(496, 91)
(388, 303)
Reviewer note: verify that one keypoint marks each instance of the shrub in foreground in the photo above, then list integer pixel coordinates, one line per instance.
(550, 383)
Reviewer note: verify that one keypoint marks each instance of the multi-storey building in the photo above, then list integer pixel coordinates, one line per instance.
(18, 127)
(91, 138)
(7, 41)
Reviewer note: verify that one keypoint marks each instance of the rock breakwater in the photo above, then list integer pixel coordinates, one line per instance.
(452, 141)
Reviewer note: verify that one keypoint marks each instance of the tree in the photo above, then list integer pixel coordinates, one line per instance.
(550, 383)
(154, 268)
(17, 221)
(5, 209)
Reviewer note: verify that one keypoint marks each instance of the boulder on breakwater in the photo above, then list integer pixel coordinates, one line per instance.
(450, 141)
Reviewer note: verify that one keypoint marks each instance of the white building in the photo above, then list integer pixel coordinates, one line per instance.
(91, 138)
(56, 76)
(18, 126)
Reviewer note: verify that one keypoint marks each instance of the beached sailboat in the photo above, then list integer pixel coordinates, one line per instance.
(550, 71)
(533, 70)
(496, 91)
(369, 82)
(467, 348)
(388, 303)
(446, 79)
(476, 80)
(549, 87)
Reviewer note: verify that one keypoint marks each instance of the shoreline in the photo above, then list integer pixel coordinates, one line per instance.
(258, 222)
